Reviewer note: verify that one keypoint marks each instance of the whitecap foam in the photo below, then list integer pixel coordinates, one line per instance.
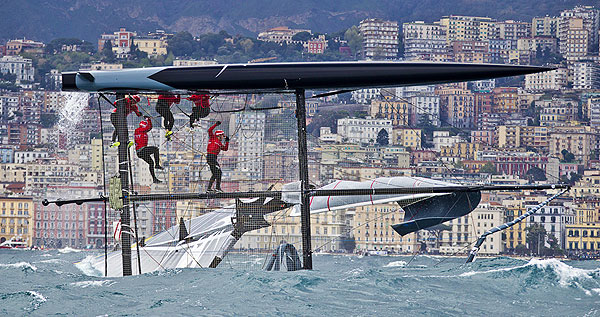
(86, 266)
(565, 272)
(596, 290)
(37, 296)
(23, 265)
(396, 264)
(84, 284)
(68, 250)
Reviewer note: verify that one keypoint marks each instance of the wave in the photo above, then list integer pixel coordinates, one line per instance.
(68, 250)
(25, 266)
(87, 267)
(84, 284)
(396, 264)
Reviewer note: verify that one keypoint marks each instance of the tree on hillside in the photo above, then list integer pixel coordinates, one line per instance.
(383, 137)
(568, 157)
(301, 36)
(488, 168)
(182, 44)
(108, 56)
(354, 39)
(536, 237)
(537, 174)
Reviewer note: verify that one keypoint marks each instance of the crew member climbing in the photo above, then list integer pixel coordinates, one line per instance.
(163, 107)
(144, 151)
(130, 106)
(215, 146)
(201, 108)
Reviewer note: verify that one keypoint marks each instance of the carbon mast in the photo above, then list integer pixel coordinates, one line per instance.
(123, 137)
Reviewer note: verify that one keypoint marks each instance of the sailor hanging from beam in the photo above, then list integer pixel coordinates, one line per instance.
(163, 107)
(201, 108)
(130, 106)
(146, 152)
(215, 146)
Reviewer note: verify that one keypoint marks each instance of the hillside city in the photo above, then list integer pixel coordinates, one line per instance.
(540, 128)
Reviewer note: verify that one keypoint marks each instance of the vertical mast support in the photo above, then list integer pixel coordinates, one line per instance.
(303, 167)
(123, 137)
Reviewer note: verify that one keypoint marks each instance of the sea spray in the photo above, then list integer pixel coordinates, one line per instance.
(71, 112)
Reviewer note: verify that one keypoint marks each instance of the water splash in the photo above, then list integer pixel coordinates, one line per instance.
(396, 264)
(86, 266)
(22, 265)
(71, 113)
(68, 250)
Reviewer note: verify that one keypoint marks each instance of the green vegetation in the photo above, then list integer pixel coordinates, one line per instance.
(383, 138)
(489, 167)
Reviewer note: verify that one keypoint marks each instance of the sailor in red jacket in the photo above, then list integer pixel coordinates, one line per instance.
(163, 107)
(144, 151)
(130, 106)
(201, 108)
(215, 146)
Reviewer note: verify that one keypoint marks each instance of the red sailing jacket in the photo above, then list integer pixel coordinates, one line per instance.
(141, 134)
(130, 107)
(171, 99)
(200, 100)
(214, 145)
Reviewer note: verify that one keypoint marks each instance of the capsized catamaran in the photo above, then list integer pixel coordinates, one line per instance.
(204, 241)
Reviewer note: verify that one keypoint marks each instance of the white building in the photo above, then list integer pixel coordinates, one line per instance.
(586, 75)
(484, 85)
(279, 34)
(426, 105)
(443, 138)
(380, 38)
(410, 91)
(553, 219)
(22, 157)
(422, 40)
(552, 80)
(365, 96)
(325, 135)
(362, 130)
(250, 133)
(19, 66)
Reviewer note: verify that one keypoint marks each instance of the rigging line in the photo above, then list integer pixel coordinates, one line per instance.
(104, 190)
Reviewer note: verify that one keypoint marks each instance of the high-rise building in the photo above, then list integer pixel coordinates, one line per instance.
(465, 28)
(423, 40)
(545, 26)
(590, 21)
(586, 75)
(399, 112)
(250, 131)
(513, 30)
(380, 38)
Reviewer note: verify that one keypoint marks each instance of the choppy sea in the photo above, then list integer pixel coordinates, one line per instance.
(50, 283)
